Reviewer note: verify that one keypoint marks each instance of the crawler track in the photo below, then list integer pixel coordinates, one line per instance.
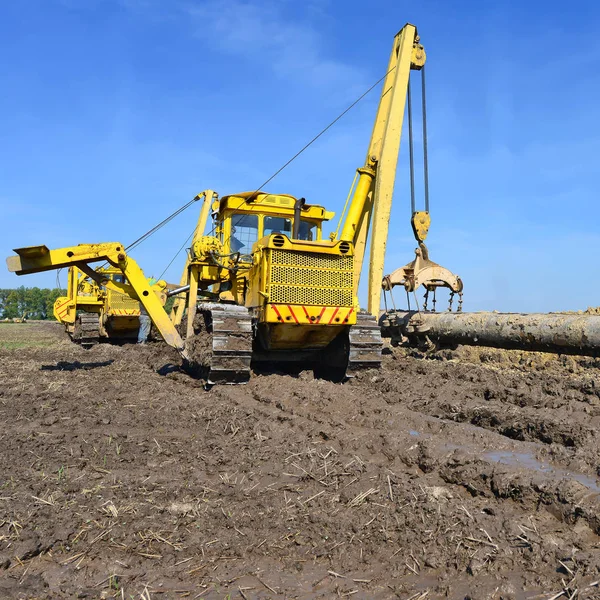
(365, 344)
(87, 330)
(221, 349)
(231, 344)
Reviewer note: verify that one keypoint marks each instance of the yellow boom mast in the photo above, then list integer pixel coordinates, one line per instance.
(372, 198)
(208, 196)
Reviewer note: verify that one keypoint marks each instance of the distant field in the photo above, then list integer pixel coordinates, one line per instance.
(32, 334)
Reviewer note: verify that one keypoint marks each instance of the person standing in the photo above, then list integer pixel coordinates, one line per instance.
(145, 324)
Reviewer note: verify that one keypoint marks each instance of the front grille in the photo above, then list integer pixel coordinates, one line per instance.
(311, 278)
(120, 301)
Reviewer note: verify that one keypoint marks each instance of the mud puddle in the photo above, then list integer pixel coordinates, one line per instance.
(528, 461)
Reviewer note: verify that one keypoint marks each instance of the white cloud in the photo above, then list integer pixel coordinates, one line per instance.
(263, 32)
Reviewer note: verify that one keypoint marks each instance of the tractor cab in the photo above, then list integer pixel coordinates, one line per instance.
(244, 219)
(222, 262)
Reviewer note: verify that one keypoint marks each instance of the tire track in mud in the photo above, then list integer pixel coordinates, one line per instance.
(542, 485)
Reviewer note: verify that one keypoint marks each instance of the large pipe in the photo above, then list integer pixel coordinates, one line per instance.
(565, 333)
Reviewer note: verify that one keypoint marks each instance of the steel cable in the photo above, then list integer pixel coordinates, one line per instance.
(306, 146)
(160, 225)
(411, 151)
(321, 133)
(425, 161)
(176, 254)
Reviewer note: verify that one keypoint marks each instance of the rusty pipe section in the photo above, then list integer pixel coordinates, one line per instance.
(564, 333)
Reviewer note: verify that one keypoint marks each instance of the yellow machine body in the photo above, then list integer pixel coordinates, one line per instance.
(118, 313)
(300, 290)
(82, 294)
(263, 276)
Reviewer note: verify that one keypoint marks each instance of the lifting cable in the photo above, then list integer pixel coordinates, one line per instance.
(410, 146)
(322, 132)
(257, 190)
(155, 229)
(176, 254)
(425, 161)
(182, 247)
(314, 139)
(161, 224)
(410, 151)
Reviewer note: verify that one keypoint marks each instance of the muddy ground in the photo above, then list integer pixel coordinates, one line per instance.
(462, 474)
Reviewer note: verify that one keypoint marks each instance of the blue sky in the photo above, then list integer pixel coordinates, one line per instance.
(117, 112)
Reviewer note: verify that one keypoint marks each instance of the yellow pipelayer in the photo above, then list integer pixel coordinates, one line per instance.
(265, 282)
(90, 311)
(267, 253)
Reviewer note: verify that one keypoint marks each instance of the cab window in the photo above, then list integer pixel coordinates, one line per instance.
(308, 231)
(244, 232)
(277, 225)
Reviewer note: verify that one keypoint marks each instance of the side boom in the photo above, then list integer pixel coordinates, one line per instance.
(407, 54)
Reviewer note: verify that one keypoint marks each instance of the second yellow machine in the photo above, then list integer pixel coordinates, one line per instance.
(91, 311)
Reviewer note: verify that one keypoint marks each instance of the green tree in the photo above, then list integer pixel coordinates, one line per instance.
(36, 303)
(50, 299)
(15, 303)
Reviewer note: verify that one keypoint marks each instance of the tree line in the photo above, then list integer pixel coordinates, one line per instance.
(34, 303)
